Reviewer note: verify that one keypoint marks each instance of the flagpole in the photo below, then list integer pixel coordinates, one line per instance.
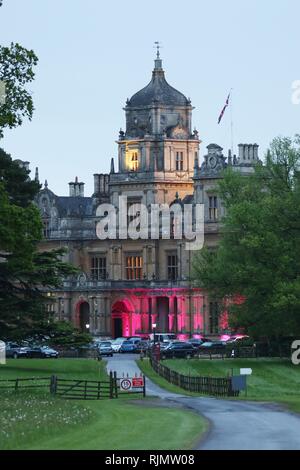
(231, 121)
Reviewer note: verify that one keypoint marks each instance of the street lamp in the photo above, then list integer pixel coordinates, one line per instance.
(87, 326)
(154, 331)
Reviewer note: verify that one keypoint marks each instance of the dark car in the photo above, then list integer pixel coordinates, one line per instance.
(15, 351)
(211, 346)
(178, 349)
(196, 342)
(42, 352)
(128, 347)
(105, 348)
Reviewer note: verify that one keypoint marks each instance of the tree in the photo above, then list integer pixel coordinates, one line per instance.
(16, 71)
(258, 257)
(25, 272)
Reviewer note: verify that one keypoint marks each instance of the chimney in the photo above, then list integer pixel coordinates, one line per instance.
(229, 157)
(112, 166)
(37, 179)
(248, 153)
(76, 188)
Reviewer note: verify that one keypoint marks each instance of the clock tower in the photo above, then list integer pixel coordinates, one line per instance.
(158, 150)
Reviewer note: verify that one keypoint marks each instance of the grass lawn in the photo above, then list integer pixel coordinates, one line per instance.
(36, 420)
(275, 380)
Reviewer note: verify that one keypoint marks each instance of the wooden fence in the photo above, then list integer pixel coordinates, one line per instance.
(72, 388)
(84, 389)
(25, 383)
(216, 386)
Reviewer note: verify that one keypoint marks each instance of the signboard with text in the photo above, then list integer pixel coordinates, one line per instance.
(137, 382)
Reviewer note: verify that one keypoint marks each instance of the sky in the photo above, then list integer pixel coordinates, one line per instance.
(95, 54)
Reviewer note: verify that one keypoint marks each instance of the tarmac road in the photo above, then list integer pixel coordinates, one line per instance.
(234, 425)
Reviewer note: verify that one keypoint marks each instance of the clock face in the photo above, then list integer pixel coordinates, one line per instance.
(212, 162)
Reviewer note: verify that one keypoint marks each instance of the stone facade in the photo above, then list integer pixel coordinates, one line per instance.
(125, 285)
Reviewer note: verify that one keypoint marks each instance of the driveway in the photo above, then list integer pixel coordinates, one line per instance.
(234, 425)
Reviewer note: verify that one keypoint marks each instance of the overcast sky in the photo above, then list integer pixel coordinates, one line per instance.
(93, 54)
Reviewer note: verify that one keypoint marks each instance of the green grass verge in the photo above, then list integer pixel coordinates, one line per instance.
(274, 380)
(36, 420)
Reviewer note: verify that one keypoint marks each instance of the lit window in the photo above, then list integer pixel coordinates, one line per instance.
(134, 267)
(179, 161)
(98, 268)
(213, 207)
(132, 160)
(172, 267)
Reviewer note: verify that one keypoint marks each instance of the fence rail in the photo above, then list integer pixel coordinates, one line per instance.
(216, 386)
(73, 389)
(25, 383)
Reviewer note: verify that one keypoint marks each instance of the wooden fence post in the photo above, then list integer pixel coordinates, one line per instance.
(16, 384)
(144, 386)
(111, 385)
(53, 384)
(116, 384)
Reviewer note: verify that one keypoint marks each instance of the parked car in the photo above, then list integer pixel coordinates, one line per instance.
(15, 351)
(117, 343)
(237, 339)
(42, 352)
(166, 344)
(178, 349)
(161, 337)
(213, 346)
(128, 347)
(196, 342)
(105, 348)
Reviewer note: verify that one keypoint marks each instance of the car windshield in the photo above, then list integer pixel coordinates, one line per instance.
(105, 344)
(119, 341)
(127, 343)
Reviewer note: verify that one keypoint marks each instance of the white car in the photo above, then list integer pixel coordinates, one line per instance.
(117, 343)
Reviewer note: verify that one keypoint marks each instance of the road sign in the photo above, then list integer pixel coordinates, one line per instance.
(246, 371)
(125, 384)
(137, 382)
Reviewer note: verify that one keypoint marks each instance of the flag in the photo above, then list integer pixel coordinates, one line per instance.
(223, 110)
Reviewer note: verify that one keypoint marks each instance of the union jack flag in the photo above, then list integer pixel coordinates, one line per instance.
(223, 110)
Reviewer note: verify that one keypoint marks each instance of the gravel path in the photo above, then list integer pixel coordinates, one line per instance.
(235, 425)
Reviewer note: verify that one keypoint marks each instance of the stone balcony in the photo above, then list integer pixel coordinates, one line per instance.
(83, 285)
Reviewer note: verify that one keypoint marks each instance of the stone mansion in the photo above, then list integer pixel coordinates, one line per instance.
(125, 286)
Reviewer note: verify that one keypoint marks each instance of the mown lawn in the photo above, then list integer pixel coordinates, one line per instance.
(275, 380)
(36, 420)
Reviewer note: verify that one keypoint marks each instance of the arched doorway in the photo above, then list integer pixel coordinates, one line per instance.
(84, 317)
(121, 319)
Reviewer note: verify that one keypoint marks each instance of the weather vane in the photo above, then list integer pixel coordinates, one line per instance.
(158, 47)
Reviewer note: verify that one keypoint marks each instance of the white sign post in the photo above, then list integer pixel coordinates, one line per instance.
(246, 371)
